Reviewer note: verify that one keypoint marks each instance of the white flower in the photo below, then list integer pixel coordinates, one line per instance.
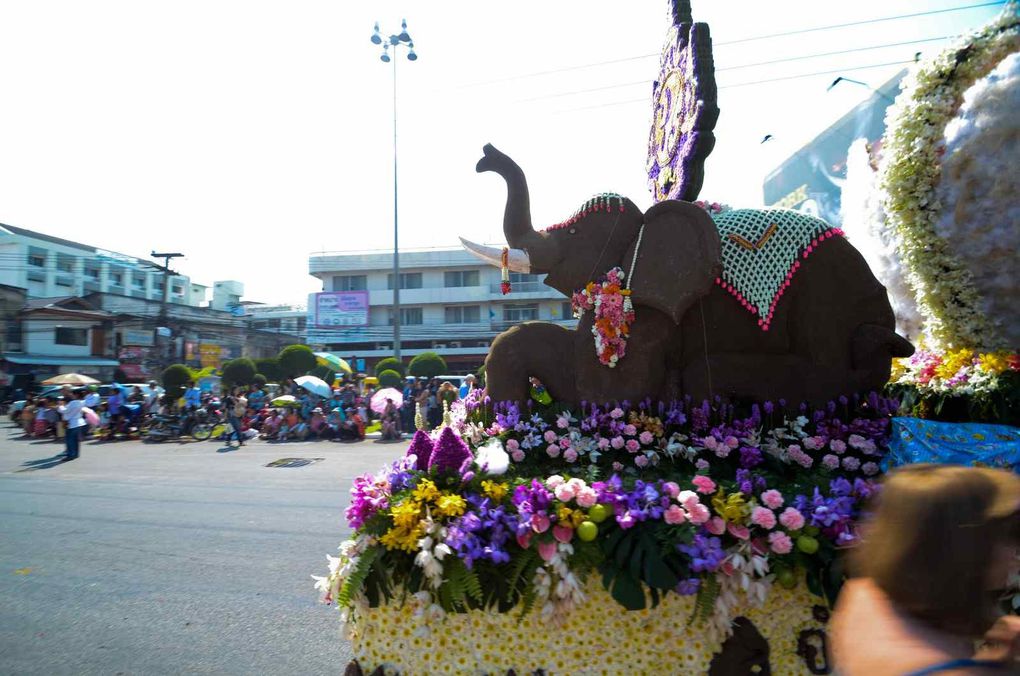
(492, 458)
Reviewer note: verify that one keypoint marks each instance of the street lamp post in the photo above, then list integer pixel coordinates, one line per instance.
(403, 38)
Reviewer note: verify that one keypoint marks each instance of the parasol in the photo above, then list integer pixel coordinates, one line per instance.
(378, 403)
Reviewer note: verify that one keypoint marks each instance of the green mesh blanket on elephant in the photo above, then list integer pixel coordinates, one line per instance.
(761, 252)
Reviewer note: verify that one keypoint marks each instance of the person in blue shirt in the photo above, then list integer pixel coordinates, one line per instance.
(468, 386)
(256, 397)
(192, 397)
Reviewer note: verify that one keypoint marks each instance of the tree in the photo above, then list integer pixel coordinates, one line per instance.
(238, 372)
(427, 365)
(390, 364)
(389, 378)
(296, 360)
(259, 380)
(174, 378)
(270, 368)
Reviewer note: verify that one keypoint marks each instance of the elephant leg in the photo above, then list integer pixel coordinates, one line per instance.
(544, 351)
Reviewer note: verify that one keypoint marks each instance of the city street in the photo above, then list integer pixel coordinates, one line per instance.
(171, 558)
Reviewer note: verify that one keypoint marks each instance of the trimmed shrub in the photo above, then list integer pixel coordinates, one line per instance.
(390, 364)
(259, 380)
(238, 372)
(427, 365)
(270, 368)
(296, 360)
(390, 378)
(175, 378)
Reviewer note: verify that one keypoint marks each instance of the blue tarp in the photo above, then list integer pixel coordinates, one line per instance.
(915, 440)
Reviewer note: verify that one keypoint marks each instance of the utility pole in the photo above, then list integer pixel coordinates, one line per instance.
(163, 315)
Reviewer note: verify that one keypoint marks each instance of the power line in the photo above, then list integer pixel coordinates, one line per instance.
(801, 31)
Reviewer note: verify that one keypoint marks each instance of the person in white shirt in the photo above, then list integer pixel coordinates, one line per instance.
(75, 422)
(151, 397)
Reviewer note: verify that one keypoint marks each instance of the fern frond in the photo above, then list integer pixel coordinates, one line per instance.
(354, 583)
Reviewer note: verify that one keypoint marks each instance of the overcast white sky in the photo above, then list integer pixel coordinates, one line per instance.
(247, 134)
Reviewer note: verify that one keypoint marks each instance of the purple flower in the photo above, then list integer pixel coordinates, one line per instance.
(421, 448)
(750, 457)
(368, 496)
(450, 453)
(706, 553)
(688, 587)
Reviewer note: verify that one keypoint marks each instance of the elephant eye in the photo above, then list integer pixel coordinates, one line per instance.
(572, 231)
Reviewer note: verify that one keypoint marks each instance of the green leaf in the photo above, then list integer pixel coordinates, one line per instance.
(628, 592)
(356, 581)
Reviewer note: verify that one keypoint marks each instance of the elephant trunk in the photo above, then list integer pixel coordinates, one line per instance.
(517, 215)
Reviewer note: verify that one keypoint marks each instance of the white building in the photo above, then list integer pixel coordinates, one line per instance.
(450, 303)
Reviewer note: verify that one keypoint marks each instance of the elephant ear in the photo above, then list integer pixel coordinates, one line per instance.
(678, 259)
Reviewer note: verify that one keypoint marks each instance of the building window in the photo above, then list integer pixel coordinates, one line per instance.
(138, 283)
(520, 313)
(453, 278)
(177, 290)
(302, 323)
(408, 316)
(92, 273)
(37, 260)
(63, 282)
(116, 278)
(67, 336)
(522, 278)
(463, 314)
(408, 280)
(350, 283)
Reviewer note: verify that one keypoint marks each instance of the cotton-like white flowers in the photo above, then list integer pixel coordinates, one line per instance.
(492, 458)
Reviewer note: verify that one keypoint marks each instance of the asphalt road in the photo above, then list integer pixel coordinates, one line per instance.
(172, 558)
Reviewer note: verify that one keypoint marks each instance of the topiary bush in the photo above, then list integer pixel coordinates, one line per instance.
(270, 368)
(390, 364)
(259, 380)
(238, 372)
(296, 360)
(427, 365)
(390, 378)
(174, 378)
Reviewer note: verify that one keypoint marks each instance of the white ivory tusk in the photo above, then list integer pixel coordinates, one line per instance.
(517, 259)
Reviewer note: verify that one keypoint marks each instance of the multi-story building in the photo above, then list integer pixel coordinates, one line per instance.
(273, 327)
(450, 303)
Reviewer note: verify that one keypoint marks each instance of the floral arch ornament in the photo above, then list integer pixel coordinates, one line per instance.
(684, 109)
(914, 149)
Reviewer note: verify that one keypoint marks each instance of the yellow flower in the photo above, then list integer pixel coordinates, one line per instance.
(403, 538)
(425, 491)
(994, 362)
(731, 508)
(953, 361)
(406, 514)
(494, 490)
(450, 505)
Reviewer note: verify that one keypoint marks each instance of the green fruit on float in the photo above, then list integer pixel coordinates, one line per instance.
(812, 530)
(587, 531)
(598, 513)
(807, 544)
(787, 578)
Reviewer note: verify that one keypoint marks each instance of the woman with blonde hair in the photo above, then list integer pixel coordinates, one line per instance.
(935, 556)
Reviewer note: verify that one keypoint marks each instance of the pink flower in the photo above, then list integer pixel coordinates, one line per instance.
(764, 517)
(851, 464)
(570, 455)
(737, 531)
(674, 515)
(791, 519)
(562, 422)
(780, 542)
(703, 484)
(517, 455)
(716, 525)
(698, 513)
(629, 430)
(603, 443)
(512, 445)
(641, 461)
(564, 443)
(552, 482)
(732, 442)
(524, 540)
(547, 550)
(564, 492)
(539, 523)
(617, 443)
(814, 443)
(553, 450)
(563, 533)
(711, 443)
(633, 446)
(701, 465)
(830, 461)
(587, 497)
(687, 498)
(772, 498)
(857, 441)
(838, 447)
(617, 466)
(869, 468)
(722, 451)
(646, 438)
(671, 488)
(616, 413)
(549, 436)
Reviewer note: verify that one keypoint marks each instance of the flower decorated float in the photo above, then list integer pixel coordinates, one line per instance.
(667, 488)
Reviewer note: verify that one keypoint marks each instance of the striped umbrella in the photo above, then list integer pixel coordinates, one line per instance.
(333, 362)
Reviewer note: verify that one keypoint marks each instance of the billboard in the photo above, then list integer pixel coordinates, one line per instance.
(341, 308)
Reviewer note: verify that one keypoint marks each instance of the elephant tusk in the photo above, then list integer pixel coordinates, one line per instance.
(517, 259)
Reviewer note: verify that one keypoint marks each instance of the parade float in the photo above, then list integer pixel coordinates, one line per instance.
(668, 487)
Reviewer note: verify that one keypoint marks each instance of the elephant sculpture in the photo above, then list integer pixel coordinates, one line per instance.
(794, 313)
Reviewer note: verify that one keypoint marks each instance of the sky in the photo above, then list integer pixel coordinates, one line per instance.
(249, 134)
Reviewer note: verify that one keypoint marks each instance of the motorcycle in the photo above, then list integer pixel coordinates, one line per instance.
(198, 424)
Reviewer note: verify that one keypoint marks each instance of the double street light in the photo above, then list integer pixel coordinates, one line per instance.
(402, 39)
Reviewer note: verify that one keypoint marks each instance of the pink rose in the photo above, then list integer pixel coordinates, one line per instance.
(830, 461)
(587, 497)
(687, 498)
(722, 451)
(646, 438)
(512, 445)
(564, 492)
(617, 466)
(869, 468)
(641, 461)
(633, 446)
(674, 515)
(710, 443)
(671, 489)
(732, 442)
(617, 443)
(838, 447)
(616, 413)
(716, 525)
(857, 441)
(739, 532)
(564, 443)
(552, 482)
(562, 423)
(764, 517)
(772, 498)
(539, 523)
(780, 542)
(549, 436)
(629, 430)
(603, 443)
(851, 464)
(703, 484)
(698, 513)
(517, 455)
(791, 519)
(553, 450)
(570, 455)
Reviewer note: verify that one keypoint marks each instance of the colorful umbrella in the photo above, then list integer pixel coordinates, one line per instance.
(75, 379)
(378, 403)
(332, 361)
(285, 400)
(315, 385)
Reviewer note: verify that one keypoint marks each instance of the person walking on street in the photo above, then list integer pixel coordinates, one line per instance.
(71, 413)
(235, 404)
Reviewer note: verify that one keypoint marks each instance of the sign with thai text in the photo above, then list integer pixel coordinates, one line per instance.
(341, 308)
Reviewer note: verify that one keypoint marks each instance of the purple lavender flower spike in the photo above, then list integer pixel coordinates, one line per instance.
(449, 453)
(421, 448)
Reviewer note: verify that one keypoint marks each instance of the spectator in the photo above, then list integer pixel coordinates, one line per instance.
(447, 394)
(317, 424)
(192, 397)
(28, 416)
(92, 399)
(941, 544)
(235, 405)
(151, 397)
(72, 416)
(468, 386)
(136, 396)
(114, 404)
(334, 423)
(256, 397)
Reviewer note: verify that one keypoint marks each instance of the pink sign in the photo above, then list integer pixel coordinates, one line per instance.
(341, 309)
